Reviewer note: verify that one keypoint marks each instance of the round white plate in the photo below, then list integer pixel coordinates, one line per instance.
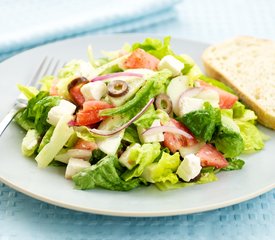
(49, 184)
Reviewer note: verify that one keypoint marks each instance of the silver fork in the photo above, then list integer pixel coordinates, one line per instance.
(47, 67)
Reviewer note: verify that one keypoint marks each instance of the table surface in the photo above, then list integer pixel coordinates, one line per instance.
(22, 217)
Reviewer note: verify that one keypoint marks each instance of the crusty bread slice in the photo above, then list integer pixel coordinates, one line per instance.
(247, 65)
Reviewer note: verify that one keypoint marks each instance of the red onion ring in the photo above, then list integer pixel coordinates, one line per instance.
(161, 129)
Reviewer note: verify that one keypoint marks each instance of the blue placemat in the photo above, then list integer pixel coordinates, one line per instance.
(29, 23)
(22, 217)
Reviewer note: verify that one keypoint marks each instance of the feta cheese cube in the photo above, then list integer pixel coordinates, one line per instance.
(63, 108)
(94, 90)
(171, 63)
(74, 166)
(189, 104)
(189, 168)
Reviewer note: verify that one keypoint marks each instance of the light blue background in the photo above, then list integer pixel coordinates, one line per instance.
(22, 217)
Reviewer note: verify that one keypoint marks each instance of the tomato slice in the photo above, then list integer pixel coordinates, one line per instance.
(82, 144)
(175, 141)
(141, 59)
(90, 112)
(211, 157)
(227, 100)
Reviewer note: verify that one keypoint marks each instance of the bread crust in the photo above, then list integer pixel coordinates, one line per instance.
(264, 117)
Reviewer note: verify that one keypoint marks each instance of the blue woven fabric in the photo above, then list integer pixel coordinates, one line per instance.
(22, 217)
(29, 23)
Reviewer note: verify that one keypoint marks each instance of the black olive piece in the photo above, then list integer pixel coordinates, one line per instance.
(164, 103)
(77, 81)
(117, 88)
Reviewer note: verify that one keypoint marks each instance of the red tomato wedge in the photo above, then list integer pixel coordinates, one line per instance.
(227, 99)
(211, 157)
(86, 145)
(141, 59)
(90, 112)
(175, 141)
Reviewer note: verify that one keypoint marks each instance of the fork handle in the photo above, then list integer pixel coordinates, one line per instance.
(7, 119)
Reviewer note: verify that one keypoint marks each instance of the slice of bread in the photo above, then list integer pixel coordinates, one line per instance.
(247, 65)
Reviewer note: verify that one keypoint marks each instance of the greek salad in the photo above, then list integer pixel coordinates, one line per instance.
(137, 116)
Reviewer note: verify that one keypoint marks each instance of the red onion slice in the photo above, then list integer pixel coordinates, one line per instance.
(118, 74)
(192, 92)
(162, 129)
(107, 133)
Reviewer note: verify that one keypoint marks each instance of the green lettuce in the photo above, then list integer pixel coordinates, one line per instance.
(84, 133)
(252, 137)
(202, 123)
(36, 112)
(234, 164)
(238, 109)
(163, 170)
(46, 138)
(216, 83)
(229, 142)
(28, 91)
(30, 142)
(206, 177)
(131, 134)
(104, 174)
(148, 153)
(46, 83)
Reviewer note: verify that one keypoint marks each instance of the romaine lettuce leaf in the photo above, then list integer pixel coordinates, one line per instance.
(30, 142)
(28, 91)
(131, 134)
(163, 170)
(216, 83)
(46, 138)
(251, 136)
(206, 177)
(36, 112)
(104, 174)
(148, 153)
(229, 142)
(202, 123)
(234, 164)
(46, 83)
(238, 109)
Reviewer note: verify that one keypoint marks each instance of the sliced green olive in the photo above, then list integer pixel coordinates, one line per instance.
(164, 103)
(117, 88)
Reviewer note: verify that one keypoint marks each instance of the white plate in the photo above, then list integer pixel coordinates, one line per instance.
(50, 186)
